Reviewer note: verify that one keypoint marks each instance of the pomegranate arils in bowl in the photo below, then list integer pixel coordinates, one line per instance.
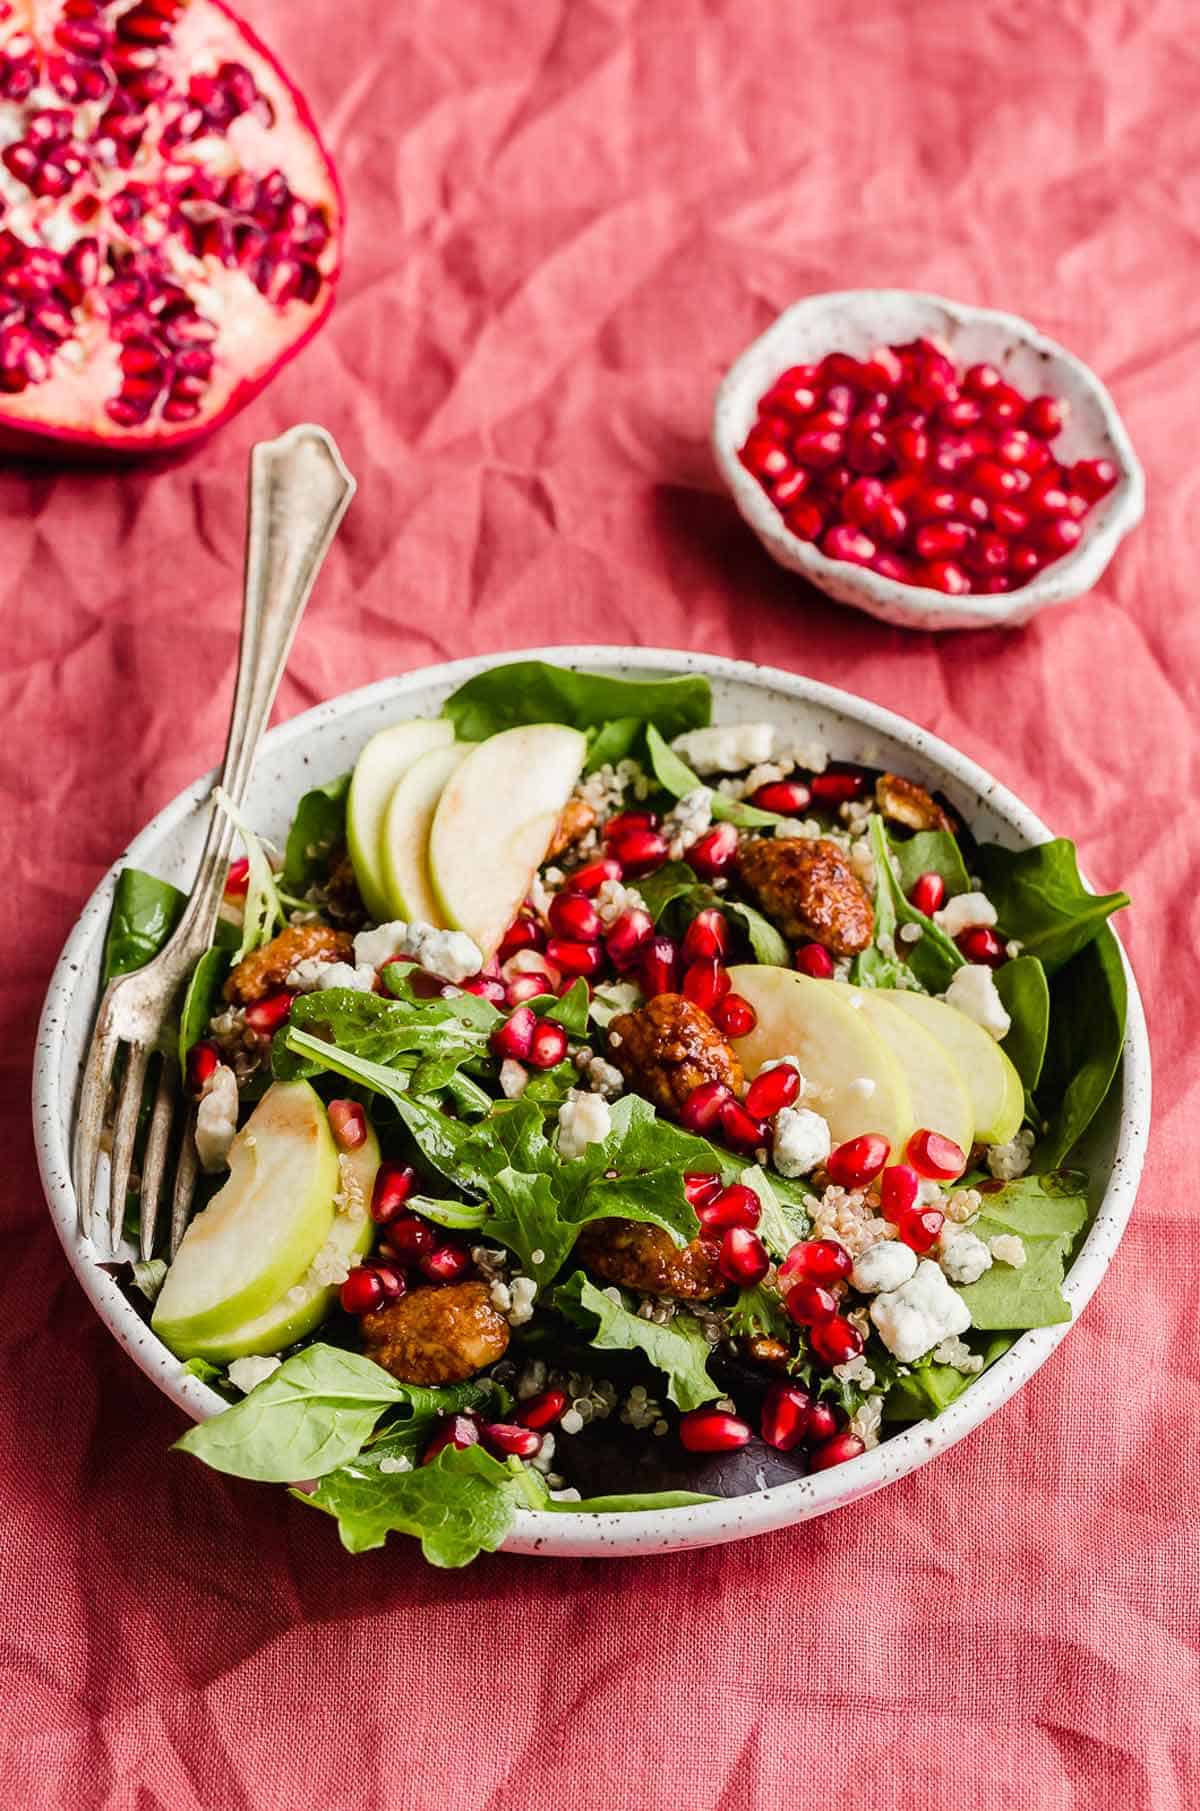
(172, 227)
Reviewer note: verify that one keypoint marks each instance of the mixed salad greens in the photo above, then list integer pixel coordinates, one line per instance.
(602, 1109)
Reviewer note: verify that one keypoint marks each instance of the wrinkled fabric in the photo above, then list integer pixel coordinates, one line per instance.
(566, 218)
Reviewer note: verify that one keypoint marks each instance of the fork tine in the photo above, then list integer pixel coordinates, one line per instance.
(185, 1183)
(155, 1160)
(124, 1134)
(93, 1099)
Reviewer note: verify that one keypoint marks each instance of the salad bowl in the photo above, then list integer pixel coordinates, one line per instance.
(325, 742)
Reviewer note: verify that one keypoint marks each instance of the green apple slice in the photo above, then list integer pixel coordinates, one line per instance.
(307, 1303)
(261, 1231)
(940, 1097)
(494, 822)
(997, 1094)
(836, 1046)
(406, 826)
(384, 761)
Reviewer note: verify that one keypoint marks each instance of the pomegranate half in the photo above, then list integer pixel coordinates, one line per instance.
(170, 223)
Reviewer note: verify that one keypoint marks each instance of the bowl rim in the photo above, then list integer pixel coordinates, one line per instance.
(611, 1534)
(916, 605)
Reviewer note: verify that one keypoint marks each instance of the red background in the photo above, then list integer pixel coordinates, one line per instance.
(566, 219)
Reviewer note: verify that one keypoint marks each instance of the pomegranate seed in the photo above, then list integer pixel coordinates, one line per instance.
(773, 1089)
(935, 1156)
(1059, 537)
(575, 958)
(982, 380)
(363, 1290)
(785, 1416)
(702, 1187)
(809, 1303)
(988, 555)
(787, 797)
(805, 520)
(348, 1123)
(838, 788)
(979, 943)
(1049, 500)
(835, 1341)
(881, 369)
(1046, 416)
(859, 1160)
(894, 566)
(514, 1037)
(713, 1431)
(705, 984)
(522, 934)
(998, 582)
(816, 1261)
(703, 1106)
(812, 959)
(394, 1183)
(543, 1410)
(511, 1441)
(707, 938)
(995, 480)
(658, 966)
(640, 851)
(911, 447)
(739, 1129)
(410, 1237)
(1094, 478)
(735, 1206)
(934, 503)
(823, 1421)
(484, 987)
(793, 398)
(938, 540)
(237, 881)
(963, 412)
(944, 575)
(547, 1045)
(846, 543)
(629, 820)
(711, 854)
(928, 893)
(203, 1059)
(1005, 406)
(456, 1430)
(899, 1187)
(735, 1016)
(266, 1016)
(976, 511)
(764, 458)
(868, 449)
(392, 1280)
(836, 1451)
(1024, 562)
(818, 448)
(919, 1227)
(445, 1264)
(743, 1258)
(526, 987)
(627, 937)
(790, 489)
(592, 876)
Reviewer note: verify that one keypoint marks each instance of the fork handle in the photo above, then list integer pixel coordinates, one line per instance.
(299, 492)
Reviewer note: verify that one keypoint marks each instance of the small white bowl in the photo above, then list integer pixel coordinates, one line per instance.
(856, 321)
(326, 741)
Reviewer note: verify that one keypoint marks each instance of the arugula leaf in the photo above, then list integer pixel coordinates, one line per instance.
(1041, 901)
(679, 1350)
(200, 1000)
(1088, 999)
(144, 913)
(318, 826)
(532, 691)
(1022, 988)
(399, 1044)
(677, 778)
(780, 1224)
(676, 883)
(459, 1505)
(930, 852)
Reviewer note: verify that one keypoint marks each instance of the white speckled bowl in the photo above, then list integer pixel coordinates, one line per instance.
(324, 742)
(856, 321)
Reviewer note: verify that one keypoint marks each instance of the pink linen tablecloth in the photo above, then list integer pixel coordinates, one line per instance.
(567, 216)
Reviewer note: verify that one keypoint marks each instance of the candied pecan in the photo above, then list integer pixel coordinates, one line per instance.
(437, 1335)
(667, 1048)
(904, 802)
(636, 1254)
(264, 971)
(576, 820)
(809, 889)
(343, 901)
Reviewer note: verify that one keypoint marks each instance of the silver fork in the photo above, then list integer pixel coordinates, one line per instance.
(299, 492)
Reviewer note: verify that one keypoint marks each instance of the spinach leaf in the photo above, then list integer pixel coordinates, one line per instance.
(929, 1388)
(679, 1350)
(459, 1505)
(1023, 989)
(613, 742)
(1088, 999)
(144, 913)
(570, 1009)
(930, 852)
(317, 828)
(934, 957)
(629, 1505)
(677, 778)
(531, 691)
(200, 1000)
(676, 883)
(1041, 901)
(1046, 1213)
(1045, 1206)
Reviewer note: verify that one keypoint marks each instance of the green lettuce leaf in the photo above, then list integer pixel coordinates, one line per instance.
(1047, 1213)
(531, 691)
(459, 1505)
(392, 1044)
(676, 885)
(677, 778)
(783, 1220)
(679, 1350)
(317, 828)
(758, 1311)
(1088, 999)
(1041, 901)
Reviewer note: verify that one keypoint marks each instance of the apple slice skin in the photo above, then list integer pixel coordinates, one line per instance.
(261, 1230)
(286, 1321)
(834, 1043)
(405, 840)
(997, 1095)
(494, 822)
(940, 1098)
(385, 759)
